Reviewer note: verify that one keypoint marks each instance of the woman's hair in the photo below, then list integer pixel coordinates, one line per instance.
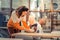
(21, 9)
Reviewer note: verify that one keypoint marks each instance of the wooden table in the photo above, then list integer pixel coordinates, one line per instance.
(46, 35)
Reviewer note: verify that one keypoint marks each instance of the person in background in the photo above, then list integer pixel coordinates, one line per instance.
(43, 20)
(17, 19)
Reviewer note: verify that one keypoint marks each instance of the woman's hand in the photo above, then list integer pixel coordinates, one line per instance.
(29, 30)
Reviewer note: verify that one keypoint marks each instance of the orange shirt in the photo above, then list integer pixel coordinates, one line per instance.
(14, 22)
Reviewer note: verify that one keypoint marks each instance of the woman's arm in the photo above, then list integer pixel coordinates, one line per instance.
(17, 26)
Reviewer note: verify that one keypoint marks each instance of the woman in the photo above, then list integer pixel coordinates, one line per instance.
(17, 19)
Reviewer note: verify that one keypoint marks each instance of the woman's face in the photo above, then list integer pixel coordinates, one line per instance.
(24, 13)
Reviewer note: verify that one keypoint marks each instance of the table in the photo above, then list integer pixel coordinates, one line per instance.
(47, 35)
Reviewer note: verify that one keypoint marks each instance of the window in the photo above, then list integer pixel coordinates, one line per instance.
(38, 8)
(5, 3)
(0, 5)
(17, 3)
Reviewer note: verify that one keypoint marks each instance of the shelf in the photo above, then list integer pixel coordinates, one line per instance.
(56, 20)
(45, 11)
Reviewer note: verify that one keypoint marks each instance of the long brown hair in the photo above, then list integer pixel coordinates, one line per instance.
(21, 9)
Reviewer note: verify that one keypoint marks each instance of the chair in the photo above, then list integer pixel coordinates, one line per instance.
(11, 31)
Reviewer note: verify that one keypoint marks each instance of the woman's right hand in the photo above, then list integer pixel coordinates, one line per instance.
(29, 30)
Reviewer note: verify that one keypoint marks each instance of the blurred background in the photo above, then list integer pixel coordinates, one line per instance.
(38, 8)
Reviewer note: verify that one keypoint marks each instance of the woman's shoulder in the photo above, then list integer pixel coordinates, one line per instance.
(14, 12)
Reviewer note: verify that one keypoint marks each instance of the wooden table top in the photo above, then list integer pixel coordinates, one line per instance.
(48, 35)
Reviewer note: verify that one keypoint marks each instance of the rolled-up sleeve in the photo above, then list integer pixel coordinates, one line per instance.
(14, 17)
(16, 21)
